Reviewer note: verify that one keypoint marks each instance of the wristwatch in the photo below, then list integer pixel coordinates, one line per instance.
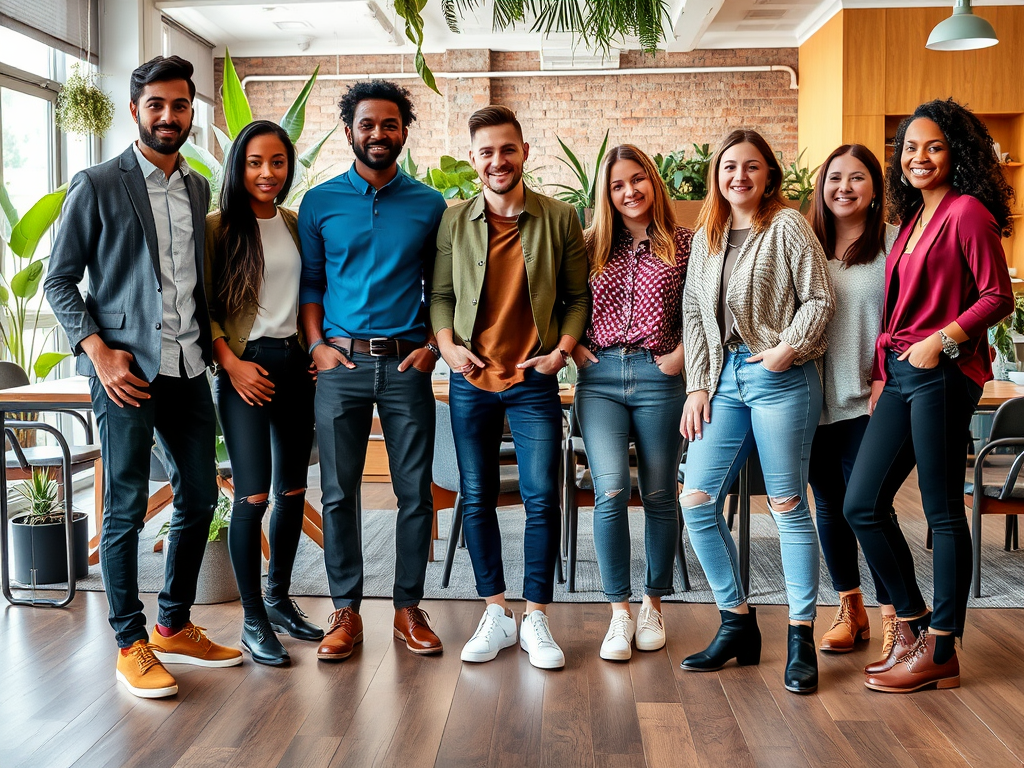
(434, 349)
(949, 347)
(565, 357)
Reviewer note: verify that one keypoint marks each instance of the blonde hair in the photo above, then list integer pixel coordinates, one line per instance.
(600, 235)
(716, 209)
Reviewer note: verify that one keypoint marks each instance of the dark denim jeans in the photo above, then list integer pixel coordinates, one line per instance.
(625, 396)
(922, 417)
(180, 412)
(833, 453)
(271, 441)
(535, 418)
(344, 415)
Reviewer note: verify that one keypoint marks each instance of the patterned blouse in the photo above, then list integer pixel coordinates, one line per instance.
(637, 296)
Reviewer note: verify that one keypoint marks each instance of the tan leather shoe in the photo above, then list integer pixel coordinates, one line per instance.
(916, 670)
(140, 672)
(903, 641)
(192, 646)
(411, 625)
(889, 624)
(849, 626)
(346, 630)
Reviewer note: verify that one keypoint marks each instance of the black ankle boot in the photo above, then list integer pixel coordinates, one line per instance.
(259, 640)
(285, 616)
(738, 638)
(802, 664)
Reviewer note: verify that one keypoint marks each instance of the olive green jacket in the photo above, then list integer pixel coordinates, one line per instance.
(234, 329)
(556, 269)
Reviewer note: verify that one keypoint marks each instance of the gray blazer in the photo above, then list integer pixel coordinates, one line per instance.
(108, 228)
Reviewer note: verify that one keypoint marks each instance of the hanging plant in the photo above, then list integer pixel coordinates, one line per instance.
(82, 107)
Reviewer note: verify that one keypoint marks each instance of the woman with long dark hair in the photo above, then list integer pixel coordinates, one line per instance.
(946, 283)
(755, 305)
(263, 388)
(849, 220)
(630, 384)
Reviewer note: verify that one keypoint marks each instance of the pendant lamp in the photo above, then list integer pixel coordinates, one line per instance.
(963, 31)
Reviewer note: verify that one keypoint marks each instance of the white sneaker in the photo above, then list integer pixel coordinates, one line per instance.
(650, 631)
(494, 632)
(535, 638)
(618, 643)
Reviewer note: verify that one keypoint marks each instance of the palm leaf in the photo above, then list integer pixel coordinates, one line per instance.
(309, 157)
(295, 118)
(31, 227)
(237, 113)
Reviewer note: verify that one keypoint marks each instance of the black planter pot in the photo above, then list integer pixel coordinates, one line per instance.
(45, 547)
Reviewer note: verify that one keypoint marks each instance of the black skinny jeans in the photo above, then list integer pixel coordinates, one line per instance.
(269, 442)
(832, 457)
(922, 417)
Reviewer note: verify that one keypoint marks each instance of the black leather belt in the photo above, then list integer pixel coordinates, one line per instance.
(377, 347)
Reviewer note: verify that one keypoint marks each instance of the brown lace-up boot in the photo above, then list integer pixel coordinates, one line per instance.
(849, 625)
(903, 640)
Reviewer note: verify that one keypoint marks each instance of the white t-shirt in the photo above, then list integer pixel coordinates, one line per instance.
(279, 293)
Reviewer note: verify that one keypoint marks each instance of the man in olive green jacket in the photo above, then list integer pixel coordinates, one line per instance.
(509, 302)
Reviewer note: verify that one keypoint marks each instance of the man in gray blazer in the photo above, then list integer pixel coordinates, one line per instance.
(135, 224)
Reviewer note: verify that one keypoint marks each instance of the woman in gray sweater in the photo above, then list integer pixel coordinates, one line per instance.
(849, 220)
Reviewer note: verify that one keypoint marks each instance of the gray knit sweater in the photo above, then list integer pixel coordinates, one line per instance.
(779, 291)
(860, 296)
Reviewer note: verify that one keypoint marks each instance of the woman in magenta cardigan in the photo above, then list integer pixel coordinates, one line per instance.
(946, 283)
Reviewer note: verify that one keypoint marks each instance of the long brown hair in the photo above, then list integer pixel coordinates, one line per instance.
(600, 235)
(715, 212)
(865, 248)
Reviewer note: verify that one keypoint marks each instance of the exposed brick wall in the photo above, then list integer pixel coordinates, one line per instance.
(657, 112)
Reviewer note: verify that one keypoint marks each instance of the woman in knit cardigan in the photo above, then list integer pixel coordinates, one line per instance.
(755, 305)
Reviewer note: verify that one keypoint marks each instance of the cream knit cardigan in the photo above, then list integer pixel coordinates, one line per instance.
(779, 291)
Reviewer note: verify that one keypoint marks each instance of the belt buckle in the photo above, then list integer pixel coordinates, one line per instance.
(380, 347)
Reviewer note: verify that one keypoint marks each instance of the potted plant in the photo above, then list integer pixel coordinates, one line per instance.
(39, 536)
(457, 180)
(216, 578)
(82, 107)
(798, 182)
(581, 197)
(1003, 338)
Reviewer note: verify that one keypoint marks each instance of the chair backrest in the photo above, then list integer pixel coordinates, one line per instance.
(1008, 420)
(12, 375)
(445, 470)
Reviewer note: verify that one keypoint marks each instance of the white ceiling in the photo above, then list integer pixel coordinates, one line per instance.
(339, 27)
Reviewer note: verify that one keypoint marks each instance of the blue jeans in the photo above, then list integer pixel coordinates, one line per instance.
(779, 412)
(621, 396)
(344, 415)
(535, 418)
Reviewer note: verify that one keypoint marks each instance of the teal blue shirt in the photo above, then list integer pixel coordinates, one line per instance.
(368, 253)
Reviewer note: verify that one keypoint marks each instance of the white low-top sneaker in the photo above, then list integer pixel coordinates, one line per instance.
(494, 632)
(535, 638)
(650, 630)
(618, 642)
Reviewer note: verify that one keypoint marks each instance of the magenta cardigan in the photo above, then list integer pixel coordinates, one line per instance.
(957, 272)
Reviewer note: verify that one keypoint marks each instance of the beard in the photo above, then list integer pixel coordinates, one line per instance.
(513, 183)
(361, 151)
(163, 146)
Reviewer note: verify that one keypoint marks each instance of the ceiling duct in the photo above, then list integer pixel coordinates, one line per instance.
(565, 59)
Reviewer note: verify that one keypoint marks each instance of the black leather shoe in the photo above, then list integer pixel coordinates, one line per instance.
(738, 638)
(286, 616)
(802, 664)
(259, 640)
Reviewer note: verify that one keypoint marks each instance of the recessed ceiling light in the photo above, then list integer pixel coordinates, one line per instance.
(291, 26)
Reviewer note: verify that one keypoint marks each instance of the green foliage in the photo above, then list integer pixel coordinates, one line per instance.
(23, 235)
(41, 493)
(798, 181)
(455, 179)
(580, 196)
(237, 113)
(597, 24)
(686, 178)
(1001, 334)
(82, 107)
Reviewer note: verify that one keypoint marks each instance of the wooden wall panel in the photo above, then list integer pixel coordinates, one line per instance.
(820, 102)
(868, 130)
(864, 64)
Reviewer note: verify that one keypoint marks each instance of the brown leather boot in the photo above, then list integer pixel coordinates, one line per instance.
(903, 641)
(411, 625)
(849, 625)
(345, 631)
(889, 624)
(916, 670)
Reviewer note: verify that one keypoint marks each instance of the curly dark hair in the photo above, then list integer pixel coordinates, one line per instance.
(976, 169)
(376, 89)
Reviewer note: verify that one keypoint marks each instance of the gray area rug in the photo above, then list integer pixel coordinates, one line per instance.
(1002, 582)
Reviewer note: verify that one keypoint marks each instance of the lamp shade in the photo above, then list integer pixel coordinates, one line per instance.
(963, 31)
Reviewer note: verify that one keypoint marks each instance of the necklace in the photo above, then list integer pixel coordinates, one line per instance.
(734, 245)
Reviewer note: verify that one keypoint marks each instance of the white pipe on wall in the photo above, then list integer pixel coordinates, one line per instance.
(534, 73)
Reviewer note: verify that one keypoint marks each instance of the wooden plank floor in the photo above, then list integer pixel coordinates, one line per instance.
(60, 705)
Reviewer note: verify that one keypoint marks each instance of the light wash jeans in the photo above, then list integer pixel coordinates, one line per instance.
(779, 412)
(625, 394)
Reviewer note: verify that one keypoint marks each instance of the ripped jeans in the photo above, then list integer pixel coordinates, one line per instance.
(621, 397)
(779, 412)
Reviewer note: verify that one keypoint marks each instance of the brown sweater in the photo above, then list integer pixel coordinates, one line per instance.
(504, 333)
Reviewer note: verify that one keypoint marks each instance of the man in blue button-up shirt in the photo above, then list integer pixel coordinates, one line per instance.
(368, 244)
